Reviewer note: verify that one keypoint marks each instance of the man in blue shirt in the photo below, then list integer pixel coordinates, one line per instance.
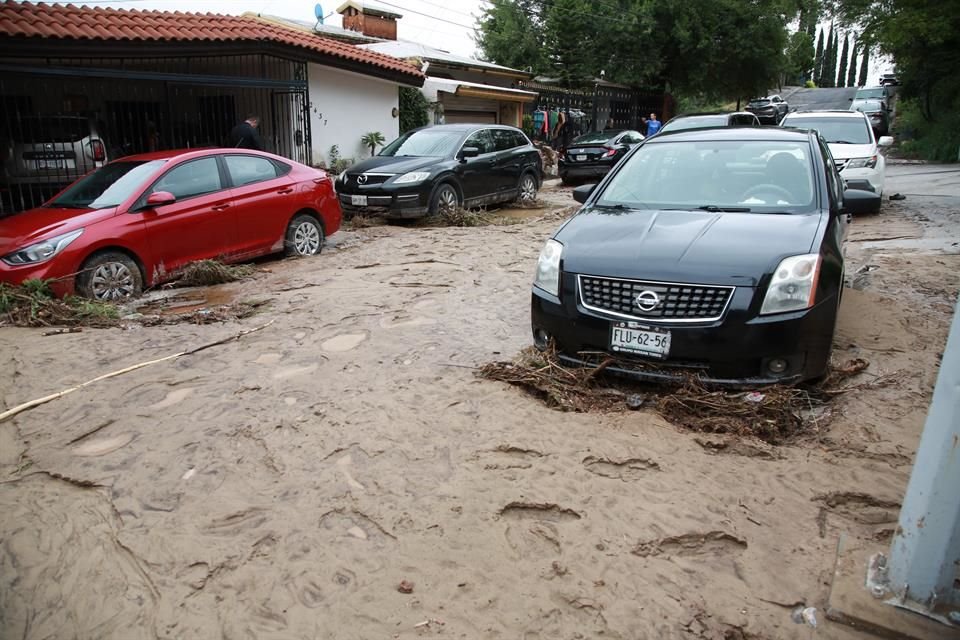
(653, 125)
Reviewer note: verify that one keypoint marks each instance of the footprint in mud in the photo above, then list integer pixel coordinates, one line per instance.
(343, 342)
(173, 398)
(860, 507)
(508, 456)
(628, 469)
(350, 523)
(269, 358)
(691, 544)
(533, 538)
(399, 321)
(102, 446)
(542, 511)
(235, 523)
(295, 372)
(739, 447)
(306, 591)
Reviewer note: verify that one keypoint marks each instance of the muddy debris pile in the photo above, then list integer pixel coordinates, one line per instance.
(776, 414)
(33, 304)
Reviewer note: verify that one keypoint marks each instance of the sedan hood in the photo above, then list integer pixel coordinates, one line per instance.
(845, 151)
(31, 226)
(683, 246)
(393, 164)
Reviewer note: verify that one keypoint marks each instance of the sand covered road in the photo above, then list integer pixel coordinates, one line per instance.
(283, 485)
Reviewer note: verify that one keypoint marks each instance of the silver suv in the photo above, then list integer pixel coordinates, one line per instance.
(41, 150)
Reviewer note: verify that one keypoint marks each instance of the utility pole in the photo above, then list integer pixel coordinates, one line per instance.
(923, 570)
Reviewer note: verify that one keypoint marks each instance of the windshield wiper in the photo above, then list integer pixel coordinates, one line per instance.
(842, 142)
(62, 205)
(715, 209)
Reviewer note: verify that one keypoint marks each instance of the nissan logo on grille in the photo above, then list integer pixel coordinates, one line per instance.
(647, 300)
(362, 178)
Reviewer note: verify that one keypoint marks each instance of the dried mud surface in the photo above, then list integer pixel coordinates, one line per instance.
(282, 485)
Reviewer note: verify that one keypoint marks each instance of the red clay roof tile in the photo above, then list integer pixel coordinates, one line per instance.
(57, 21)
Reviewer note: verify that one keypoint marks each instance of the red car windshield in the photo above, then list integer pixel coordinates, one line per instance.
(106, 187)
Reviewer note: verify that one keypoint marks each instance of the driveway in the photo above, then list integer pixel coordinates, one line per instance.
(821, 99)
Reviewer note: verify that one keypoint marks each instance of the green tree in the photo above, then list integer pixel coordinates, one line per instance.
(864, 66)
(818, 58)
(373, 140)
(852, 72)
(413, 106)
(844, 59)
(511, 33)
(800, 57)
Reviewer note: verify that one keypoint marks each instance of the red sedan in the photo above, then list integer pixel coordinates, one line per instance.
(139, 220)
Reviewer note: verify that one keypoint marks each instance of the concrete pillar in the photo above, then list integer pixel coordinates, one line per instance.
(924, 565)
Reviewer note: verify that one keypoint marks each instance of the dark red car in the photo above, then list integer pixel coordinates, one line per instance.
(137, 221)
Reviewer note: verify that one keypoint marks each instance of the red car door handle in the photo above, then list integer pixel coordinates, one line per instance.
(221, 207)
(283, 191)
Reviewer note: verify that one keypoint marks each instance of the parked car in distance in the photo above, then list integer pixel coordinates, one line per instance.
(434, 169)
(139, 220)
(712, 252)
(706, 120)
(872, 93)
(879, 117)
(593, 154)
(853, 144)
(889, 80)
(770, 109)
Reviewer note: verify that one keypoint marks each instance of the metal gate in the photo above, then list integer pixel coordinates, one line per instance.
(60, 121)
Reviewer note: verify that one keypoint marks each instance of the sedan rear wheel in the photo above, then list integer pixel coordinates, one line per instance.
(528, 188)
(109, 277)
(304, 236)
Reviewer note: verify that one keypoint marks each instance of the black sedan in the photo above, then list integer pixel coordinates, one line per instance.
(716, 252)
(593, 154)
(435, 169)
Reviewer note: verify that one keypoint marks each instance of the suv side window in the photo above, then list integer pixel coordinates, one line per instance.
(504, 139)
(194, 178)
(481, 140)
(249, 169)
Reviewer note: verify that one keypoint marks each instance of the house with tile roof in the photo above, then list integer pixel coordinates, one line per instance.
(145, 80)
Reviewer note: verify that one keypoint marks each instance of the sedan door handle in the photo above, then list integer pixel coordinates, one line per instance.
(221, 207)
(285, 191)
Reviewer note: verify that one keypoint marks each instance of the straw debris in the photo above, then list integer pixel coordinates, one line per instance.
(210, 272)
(32, 304)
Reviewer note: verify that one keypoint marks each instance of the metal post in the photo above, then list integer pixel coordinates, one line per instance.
(924, 565)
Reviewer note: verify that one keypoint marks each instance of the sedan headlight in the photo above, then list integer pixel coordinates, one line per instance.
(413, 176)
(862, 163)
(548, 268)
(793, 286)
(41, 251)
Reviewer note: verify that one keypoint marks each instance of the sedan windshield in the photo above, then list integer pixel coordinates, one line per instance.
(837, 130)
(695, 122)
(107, 186)
(715, 175)
(425, 142)
(878, 93)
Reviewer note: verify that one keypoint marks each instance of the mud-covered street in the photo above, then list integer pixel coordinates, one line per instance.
(283, 484)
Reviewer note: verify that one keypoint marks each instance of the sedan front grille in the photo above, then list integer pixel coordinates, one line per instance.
(661, 300)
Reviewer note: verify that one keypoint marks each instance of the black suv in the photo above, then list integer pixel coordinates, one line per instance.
(435, 169)
(770, 109)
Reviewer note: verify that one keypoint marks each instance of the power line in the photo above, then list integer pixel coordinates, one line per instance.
(427, 15)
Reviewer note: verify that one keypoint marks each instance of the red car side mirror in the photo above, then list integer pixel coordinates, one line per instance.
(160, 198)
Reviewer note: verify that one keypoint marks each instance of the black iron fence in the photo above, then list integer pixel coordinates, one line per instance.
(68, 117)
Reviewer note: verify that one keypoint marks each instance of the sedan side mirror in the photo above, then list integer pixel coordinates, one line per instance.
(469, 152)
(160, 198)
(885, 141)
(582, 193)
(859, 201)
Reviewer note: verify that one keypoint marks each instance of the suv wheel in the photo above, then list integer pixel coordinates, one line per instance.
(445, 200)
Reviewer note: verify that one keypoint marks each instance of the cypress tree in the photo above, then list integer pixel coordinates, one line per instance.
(830, 68)
(852, 73)
(818, 58)
(864, 65)
(844, 58)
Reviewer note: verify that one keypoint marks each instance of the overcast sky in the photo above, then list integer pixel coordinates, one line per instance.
(444, 24)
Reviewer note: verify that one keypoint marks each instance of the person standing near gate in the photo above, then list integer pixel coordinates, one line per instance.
(653, 125)
(245, 136)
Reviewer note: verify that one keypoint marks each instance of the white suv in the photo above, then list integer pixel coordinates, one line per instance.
(855, 148)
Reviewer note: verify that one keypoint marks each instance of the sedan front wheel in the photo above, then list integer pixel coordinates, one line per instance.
(109, 277)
